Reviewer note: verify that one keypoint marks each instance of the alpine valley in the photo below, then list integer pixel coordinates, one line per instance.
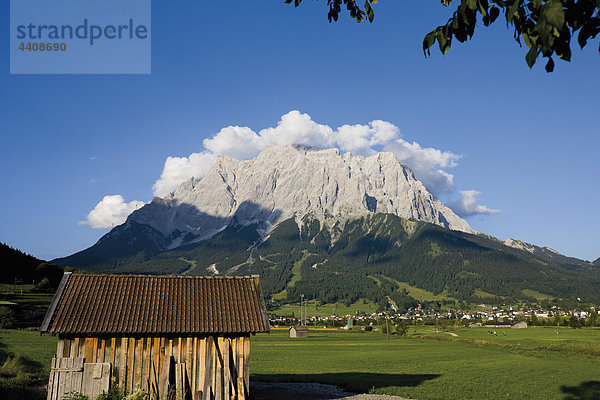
(334, 227)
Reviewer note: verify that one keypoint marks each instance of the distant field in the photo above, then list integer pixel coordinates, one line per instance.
(313, 309)
(12, 287)
(414, 292)
(535, 294)
(424, 369)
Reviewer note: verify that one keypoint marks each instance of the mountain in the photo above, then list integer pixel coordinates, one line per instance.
(597, 262)
(373, 257)
(546, 253)
(281, 183)
(334, 227)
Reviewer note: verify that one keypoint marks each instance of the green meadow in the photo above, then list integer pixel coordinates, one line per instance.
(429, 365)
(532, 363)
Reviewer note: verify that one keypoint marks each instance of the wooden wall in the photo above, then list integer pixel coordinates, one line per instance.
(212, 367)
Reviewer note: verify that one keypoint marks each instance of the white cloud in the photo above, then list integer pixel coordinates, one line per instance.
(428, 164)
(179, 169)
(467, 206)
(110, 212)
(243, 143)
(295, 127)
(236, 142)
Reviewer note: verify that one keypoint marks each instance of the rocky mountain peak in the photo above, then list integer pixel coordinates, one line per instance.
(293, 181)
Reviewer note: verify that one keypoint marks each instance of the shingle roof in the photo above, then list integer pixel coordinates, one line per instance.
(140, 304)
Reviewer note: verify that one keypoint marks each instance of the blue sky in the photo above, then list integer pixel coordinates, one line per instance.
(528, 140)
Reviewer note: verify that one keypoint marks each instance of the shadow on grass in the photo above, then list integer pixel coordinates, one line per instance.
(358, 382)
(585, 391)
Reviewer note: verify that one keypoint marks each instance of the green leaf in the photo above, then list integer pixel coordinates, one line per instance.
(428, 41)
(554, 13)
(531, 56)
(370, 13)
(550, 65)
(511, 10)
(446, 2)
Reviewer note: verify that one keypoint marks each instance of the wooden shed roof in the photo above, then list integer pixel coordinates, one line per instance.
(89, 304)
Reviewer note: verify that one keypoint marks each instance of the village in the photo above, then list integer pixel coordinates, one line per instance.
(493, 316)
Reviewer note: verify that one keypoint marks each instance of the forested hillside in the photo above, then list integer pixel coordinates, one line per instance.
(24, 268)
(373, 257)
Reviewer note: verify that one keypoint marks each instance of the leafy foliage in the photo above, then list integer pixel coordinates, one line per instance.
(335, 7)
(545, 26)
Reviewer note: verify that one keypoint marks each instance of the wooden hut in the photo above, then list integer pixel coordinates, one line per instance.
(154, 333)
(298, 331)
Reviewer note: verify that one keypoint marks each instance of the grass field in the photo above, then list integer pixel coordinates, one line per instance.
(10, 287)
(423, 368)
(535, 294)
(37, 348)
(24, 363)
(413, 291)
(425, 365)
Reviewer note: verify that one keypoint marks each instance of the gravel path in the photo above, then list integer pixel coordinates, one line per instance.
(308, 391)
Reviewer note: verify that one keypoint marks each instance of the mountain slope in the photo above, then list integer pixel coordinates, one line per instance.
(370, 257)
(19, 266)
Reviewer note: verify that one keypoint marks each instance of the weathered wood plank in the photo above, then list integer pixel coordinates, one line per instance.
(147, 363)
(75, 352)
(94, 351)
(102, 350)
(50, 395)
(240, 356)
(180, 380)
(130, 365)
(208, 363)
(189, 348)
(201, 365)
(88, 351)
(155, 368)
(60, 348)
(123, 362)
(179, 352)
(214, 366)
(165, 370)
(220, 373)
(96, 379)
(194, 368)
(241, 388)
(226, 349)
(139, 362)
(61, 382)
(247, 363)
(113, 350)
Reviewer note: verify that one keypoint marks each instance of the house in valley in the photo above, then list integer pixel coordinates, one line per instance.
(299, 331)
(155, 333)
